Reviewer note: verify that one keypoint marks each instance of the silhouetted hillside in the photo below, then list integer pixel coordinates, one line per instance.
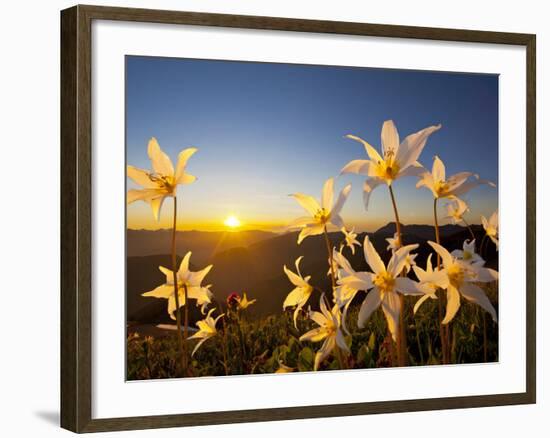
(258, 268)
(203, 244)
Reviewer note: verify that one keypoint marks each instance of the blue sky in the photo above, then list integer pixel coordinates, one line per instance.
(267, 130)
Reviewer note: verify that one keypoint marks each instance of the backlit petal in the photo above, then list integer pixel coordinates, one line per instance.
(309, 203)
(360, 167)
(406, 286)
(438, 170)
(162, 291)
(324, 351)
(369, 185)
(310, 230)
(156, 205)
(370, 304)
(412, 146)
(453, 304)
(390, 138)
(328, 194)
(159, 160)
(344, 193)
(445, 255)
(371, 152)
(476, 295)
(140, 177)
(183, 157)
(372, 257)
(391, 305)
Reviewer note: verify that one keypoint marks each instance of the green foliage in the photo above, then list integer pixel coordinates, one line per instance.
(264, 345)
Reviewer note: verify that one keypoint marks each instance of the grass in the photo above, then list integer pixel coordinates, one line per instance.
(261, 346)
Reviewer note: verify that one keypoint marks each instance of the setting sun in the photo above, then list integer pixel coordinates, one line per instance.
(232, 222)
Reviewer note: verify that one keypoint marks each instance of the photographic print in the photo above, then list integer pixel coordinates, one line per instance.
(288, 218)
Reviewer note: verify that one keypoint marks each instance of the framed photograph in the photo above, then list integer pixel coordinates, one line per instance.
(268, 219)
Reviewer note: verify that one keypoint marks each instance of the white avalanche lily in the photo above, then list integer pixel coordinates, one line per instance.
(455, 185)
(491, 227)
(300, 294)
(162, 181)
(429, 281)
(351, 239)
(397, 160)
(348, 280)
(185, 278)
(385, 283)
(409, 262)
(468, 253)
(320, 214)
(456, 210)
(461, 278)
(393, 243)
(207, 330)
(329, 330)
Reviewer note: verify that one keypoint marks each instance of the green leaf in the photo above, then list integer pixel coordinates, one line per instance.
(306, 359)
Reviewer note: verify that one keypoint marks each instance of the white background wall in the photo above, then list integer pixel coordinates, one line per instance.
(29, 218)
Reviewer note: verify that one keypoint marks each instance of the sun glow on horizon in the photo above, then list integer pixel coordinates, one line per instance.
(232, 221)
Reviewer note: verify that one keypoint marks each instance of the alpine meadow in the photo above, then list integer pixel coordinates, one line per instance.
(290, 218)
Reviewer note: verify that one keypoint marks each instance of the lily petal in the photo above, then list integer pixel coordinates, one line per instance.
(390, 138)
(156, 205)
(310, 230)
(341, 200)
(181, 177)
(372, 257)
(391, 305)
(371, 152)
(438, 169)
(140, 177)
(407, 287)
(360, 167)
(370, 304)
(368, 186)
(419, 303)
(445, 255)
(309, 203)
(328, 194)
(324, 351)
(453, 304)
(159, 160)
(411, 148)
(476, 295)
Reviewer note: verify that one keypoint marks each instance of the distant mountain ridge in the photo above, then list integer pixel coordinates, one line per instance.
(257, 268)
(203, 244)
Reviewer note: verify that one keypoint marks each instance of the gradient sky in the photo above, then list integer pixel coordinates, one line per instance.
(267, 130)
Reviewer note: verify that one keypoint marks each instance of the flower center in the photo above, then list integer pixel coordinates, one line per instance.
(491, 231)
(456, 275)
(388, 169)
(467, 255)
(164, 181)
(385, 282)
(322, 216)
(441, 188)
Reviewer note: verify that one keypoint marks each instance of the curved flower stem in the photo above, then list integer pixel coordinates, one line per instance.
(443, 330)
(224, 340)
(396, 213)
(185, 326)
(183, 356)
(241, 341)
(329, 250)
(469, 229)
(401, 334)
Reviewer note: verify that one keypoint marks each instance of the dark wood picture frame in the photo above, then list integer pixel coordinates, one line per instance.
(76, 201)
